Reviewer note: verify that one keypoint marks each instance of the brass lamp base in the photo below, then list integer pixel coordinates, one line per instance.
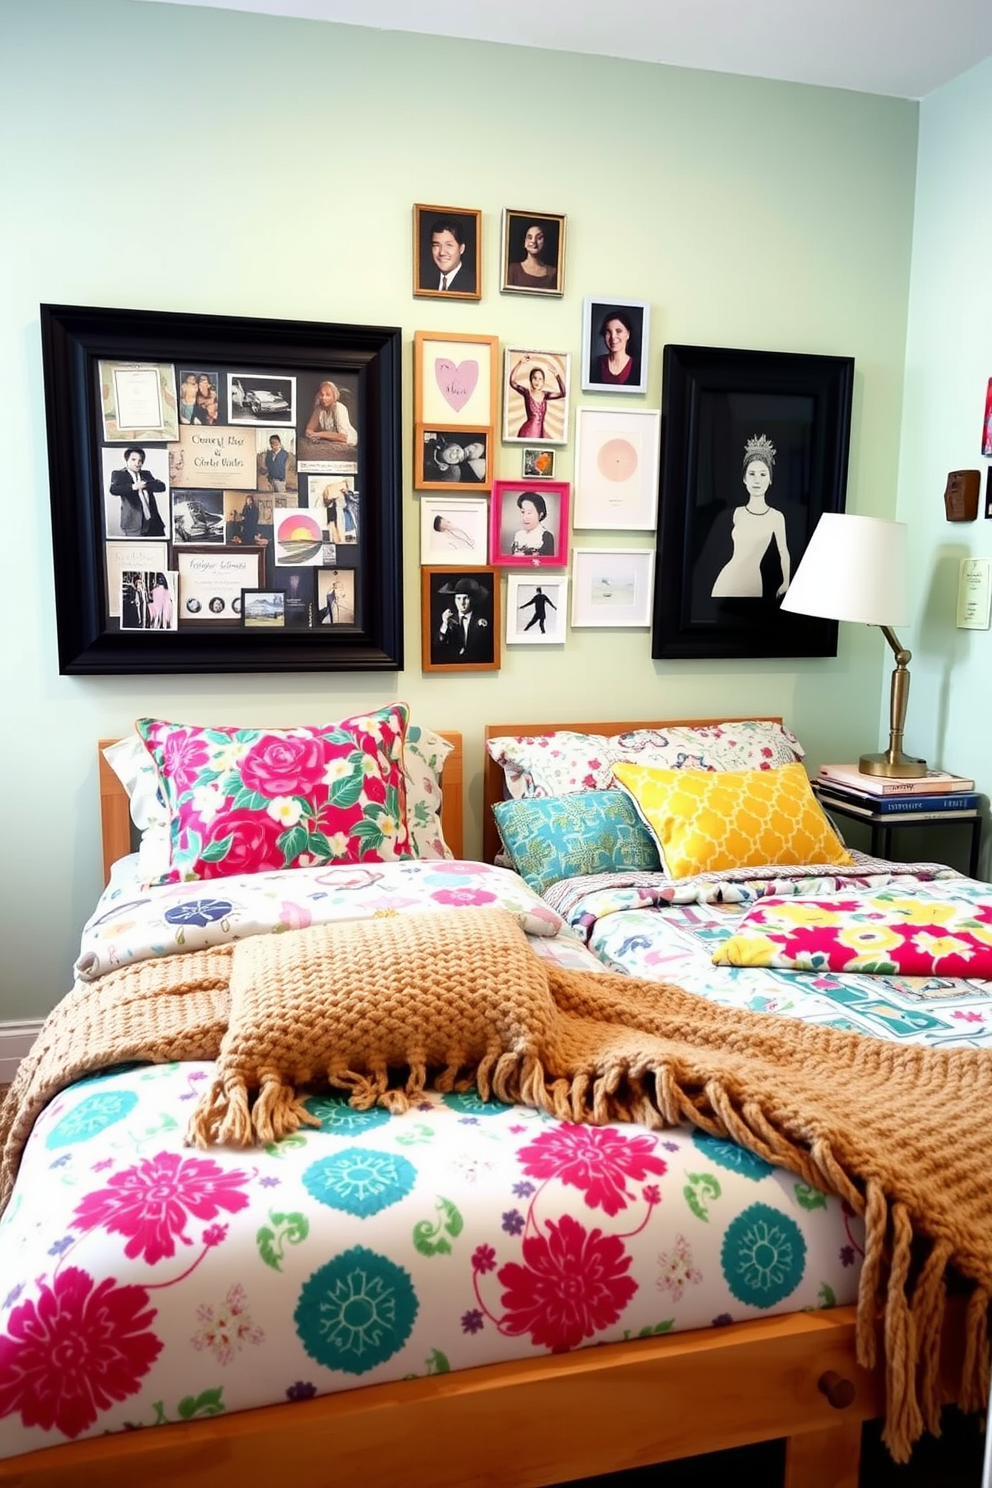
(894, 763)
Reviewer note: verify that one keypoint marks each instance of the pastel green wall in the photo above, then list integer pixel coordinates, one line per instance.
(271, 166)
(948, 364)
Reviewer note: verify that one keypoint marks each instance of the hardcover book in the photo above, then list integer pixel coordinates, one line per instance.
(934, 782)
(921, 805)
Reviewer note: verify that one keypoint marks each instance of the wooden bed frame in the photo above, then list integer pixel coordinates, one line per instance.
(515, 1425)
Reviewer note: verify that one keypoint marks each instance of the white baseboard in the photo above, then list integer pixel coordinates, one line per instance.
(15, 1041)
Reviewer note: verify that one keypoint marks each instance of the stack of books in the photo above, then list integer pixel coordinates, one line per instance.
(934, 796)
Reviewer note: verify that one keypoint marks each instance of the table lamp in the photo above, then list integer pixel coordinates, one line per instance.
(855, 569)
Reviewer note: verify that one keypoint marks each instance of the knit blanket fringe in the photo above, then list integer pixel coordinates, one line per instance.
(387, 1009)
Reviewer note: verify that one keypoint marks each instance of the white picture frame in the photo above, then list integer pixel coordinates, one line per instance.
(633, 324)
(617, 466)
(532, 624)
(612, 587)
(454, 531)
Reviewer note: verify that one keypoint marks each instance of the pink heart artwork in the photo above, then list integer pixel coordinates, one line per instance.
(456, 383)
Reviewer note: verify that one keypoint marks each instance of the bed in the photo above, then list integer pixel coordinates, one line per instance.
(514, 1417)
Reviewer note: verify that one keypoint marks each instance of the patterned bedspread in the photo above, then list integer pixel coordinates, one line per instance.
(143, 1282)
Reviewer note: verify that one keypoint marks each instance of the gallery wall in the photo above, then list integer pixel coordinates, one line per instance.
(178, 159)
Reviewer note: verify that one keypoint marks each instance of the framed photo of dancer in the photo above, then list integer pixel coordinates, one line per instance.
(536, 612)
(535, 396)
(755, 450)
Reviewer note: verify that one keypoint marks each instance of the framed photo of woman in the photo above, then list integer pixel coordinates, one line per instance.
(533, 252)
(615, 345)
(444, 457)
(535, 396)
(529, 524)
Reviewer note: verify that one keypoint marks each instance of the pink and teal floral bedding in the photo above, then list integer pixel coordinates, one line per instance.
(144, 1282)
(649, 926)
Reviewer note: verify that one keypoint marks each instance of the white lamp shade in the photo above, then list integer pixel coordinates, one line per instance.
(853, 569)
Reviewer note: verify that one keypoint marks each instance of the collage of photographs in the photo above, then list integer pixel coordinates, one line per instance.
(475, 404)
(231, 497)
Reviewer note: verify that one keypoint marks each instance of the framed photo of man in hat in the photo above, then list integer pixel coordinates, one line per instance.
(460, 620)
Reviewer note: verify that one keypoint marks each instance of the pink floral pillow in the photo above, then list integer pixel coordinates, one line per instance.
(248, 800)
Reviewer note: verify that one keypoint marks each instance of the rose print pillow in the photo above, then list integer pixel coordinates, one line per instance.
(248, 800)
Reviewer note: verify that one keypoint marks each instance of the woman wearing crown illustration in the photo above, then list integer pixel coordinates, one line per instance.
(756, 525)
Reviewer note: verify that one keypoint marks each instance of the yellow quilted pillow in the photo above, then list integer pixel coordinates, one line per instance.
(707, 820)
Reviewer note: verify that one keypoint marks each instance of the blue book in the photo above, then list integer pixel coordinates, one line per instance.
(898, 805)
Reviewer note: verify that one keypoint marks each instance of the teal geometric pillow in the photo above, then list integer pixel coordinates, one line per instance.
(549, 838)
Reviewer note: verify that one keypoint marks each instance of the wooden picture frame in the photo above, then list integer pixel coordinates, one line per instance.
(617, 327)
(532, 252)
(526, 421)
(445, 646)
(447, 240)
(718, 590)
(293, 362)
(453, 458)
(455, 380)
(529, 524)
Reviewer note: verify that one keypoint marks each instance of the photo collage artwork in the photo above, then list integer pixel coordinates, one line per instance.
(232, 497)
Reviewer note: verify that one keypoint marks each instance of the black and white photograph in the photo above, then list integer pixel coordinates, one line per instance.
(260, 398)
(615, 345)
(135, 486)
(535, 612)
(148, 600)
(533, 252)
(264, 609)
(447, 457)
(198, 517)
(460, 619)
(447, 251)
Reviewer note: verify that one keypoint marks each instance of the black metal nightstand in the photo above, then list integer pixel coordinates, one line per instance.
(882, 825)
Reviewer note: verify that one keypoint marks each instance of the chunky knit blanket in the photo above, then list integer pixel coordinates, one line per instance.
(386, 1008)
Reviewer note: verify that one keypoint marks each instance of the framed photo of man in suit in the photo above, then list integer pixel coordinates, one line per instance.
(460, 619)
(447, 252)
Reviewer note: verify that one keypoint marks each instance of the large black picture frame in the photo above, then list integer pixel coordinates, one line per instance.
(75, 340)
(717, 403)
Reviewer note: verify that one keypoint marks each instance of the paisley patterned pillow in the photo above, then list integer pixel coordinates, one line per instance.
(246, 800)
(558, 837)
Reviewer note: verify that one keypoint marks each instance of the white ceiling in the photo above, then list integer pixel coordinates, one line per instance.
(903, 48)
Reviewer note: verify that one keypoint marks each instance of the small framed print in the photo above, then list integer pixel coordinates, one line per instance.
(535, 612)
(535, 396)
(454, 531)
(533, 252)
(529, 525)
(446, 457)
(615, 345)
(454, 380)
(537, 464)
(211, 581)
(263, 609)
(460, 620)
(447, 252)
(617, 456)
(612, 587)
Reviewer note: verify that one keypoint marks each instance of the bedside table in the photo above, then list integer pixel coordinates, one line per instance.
(881, 826)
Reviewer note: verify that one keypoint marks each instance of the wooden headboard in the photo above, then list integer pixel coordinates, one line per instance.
(115, 817)
(492, 777)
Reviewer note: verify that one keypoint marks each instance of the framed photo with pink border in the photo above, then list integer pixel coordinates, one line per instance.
(529, 524)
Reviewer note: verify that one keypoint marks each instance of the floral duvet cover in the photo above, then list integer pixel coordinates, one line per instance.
(144, 1282)
(648, 925)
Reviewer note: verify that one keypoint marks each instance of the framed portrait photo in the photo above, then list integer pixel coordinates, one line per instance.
(454, 530)
(460, 619)
(529, 524)
(616, 468)
(532, 252)
(535, 612)
(447, 252)
(611, 587)
(535, 396)
(454, 380)
(452, 456)
(755, 451)
(615, 345)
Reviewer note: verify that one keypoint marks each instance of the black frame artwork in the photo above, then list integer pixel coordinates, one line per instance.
(289, 359)
(718, 405)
